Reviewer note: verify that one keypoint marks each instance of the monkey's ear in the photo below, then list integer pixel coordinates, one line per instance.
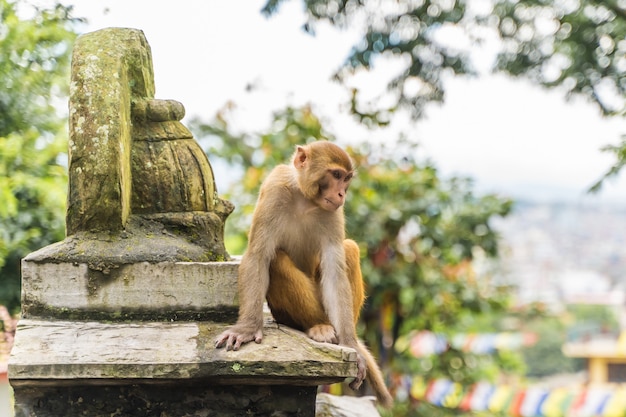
(300, 158)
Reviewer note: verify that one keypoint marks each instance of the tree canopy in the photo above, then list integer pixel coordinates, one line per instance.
(34, 72)
(577, 47)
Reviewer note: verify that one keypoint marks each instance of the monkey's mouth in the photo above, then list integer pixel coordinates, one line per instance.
(334, 205)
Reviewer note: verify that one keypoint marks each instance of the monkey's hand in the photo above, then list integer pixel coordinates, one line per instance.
(361, 372)
(237, 335)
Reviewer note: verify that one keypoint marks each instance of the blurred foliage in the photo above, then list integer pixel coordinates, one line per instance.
(403, 29)
(578, 46)
(619, 153)
(34, 72)
(419, 235)
(578, 321)
(546, 358)
(604, 317)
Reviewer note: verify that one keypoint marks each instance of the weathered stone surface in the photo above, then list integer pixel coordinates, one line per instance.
(170, 171)
(160, 237)
(327, 405)
(147, 240)
(110, 69)
(79, 353)
(196, 399)
(130, 157)
(148, 291)
(160, 186)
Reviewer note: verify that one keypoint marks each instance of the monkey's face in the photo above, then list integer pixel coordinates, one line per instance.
(324, 172)
(333, 187)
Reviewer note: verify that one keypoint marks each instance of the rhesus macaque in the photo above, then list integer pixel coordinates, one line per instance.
(299, 260)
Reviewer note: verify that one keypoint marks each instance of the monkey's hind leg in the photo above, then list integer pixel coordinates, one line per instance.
(294, 300)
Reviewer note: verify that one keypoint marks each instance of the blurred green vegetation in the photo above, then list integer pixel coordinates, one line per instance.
(34, 73)
(578, 321)
(545, 358)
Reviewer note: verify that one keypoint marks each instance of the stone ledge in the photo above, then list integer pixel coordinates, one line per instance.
(116, 353)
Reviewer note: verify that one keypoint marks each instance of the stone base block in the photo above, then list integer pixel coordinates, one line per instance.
(172, 399)
(149, 291)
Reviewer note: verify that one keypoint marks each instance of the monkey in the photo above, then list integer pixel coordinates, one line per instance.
(299, 260)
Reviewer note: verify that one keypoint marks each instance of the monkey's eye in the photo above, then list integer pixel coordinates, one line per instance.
(337, 174)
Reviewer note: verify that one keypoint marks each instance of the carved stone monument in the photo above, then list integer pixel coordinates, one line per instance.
(119, 318)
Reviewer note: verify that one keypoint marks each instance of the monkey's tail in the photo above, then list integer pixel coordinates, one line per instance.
(375, 377)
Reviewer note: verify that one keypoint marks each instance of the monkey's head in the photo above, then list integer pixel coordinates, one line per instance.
(324, 173)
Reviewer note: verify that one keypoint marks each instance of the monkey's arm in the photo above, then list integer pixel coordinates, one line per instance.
(253, 280)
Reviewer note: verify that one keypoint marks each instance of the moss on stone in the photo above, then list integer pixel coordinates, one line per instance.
(106, 251)
(220, 314)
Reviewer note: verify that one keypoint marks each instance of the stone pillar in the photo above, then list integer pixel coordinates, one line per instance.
(119, 319)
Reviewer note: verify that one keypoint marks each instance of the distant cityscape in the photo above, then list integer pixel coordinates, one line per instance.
(561, 253)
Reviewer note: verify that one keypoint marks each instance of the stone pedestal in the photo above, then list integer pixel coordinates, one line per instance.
(126, 346)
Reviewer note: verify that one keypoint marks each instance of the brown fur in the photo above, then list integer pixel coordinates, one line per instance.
(299, 259)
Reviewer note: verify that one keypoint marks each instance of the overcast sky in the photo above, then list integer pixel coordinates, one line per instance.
(511, 137)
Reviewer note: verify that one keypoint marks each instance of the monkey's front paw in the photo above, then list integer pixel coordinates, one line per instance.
(234, 337)
(324, 333)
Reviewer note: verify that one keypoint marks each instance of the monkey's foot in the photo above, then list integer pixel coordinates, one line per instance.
(361, 372)
(324, 333)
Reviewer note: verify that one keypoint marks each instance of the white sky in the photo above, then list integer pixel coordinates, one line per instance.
(510, 136)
